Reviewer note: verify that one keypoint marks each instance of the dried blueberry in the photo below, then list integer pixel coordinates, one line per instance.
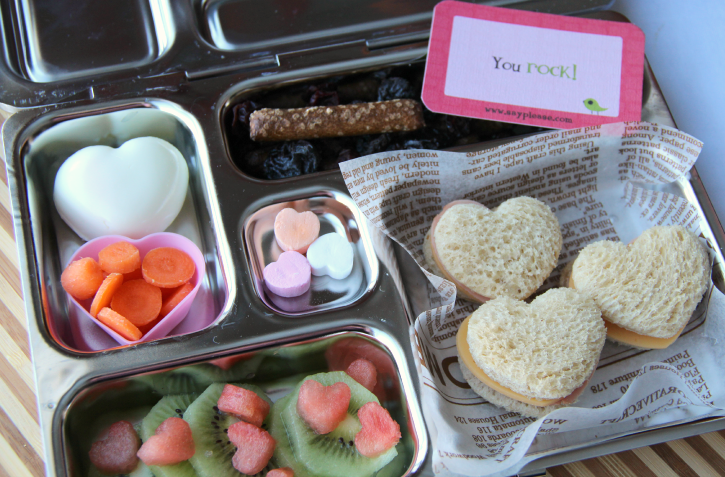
(324, 94)
(321, 98)
(395, 88)
(371, 144)
(447, 129)
(290, 159)
(241, 114)
(421, 144)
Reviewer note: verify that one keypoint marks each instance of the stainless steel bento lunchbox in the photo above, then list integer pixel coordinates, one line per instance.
(180, 71)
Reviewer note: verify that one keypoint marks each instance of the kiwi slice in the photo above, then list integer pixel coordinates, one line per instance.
(281, 362)
(209, 425)
(168, 406)
(172, 382)
(206, 374)
(141, 471)
(283, 456)
(333, 454)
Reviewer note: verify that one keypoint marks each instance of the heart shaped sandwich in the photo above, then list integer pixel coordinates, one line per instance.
(532, 358)
(134, 191)
(647, 290)
(507, 251)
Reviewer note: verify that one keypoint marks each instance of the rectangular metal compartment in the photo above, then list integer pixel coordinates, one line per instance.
(55, 242)
(195, 99)
(275, 369)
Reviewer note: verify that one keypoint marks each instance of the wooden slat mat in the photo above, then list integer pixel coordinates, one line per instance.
(21, 448)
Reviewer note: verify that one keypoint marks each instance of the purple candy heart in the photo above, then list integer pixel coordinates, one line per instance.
(289, 276)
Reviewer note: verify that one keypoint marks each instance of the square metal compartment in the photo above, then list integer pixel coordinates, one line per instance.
(338, 214)
(98, 37)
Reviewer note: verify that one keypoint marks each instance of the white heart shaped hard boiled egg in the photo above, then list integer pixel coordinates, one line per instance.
(135, 190)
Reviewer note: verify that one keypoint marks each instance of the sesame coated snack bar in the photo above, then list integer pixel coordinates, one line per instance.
(336, 121)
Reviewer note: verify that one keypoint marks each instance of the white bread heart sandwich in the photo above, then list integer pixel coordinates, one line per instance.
(647, 290)
(507, 251)
(532, 358)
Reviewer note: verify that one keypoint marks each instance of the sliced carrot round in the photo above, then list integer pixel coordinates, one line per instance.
(167, 267)
(119, 257)
(170, 302)
(119, 324)
(82, 278)
(134, 275)
(137, 301)
(149, 326)
(108, 288)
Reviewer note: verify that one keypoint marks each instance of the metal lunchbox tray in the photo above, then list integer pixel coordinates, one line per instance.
(175, 70)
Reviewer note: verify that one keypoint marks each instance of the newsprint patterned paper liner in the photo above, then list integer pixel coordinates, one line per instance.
(604, 182)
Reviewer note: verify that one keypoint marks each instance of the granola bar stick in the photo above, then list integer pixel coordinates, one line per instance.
(336, 121)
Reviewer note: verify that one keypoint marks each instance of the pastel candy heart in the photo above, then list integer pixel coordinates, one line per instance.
(289, 276)
(135, 190)
(331, 255)
(296, 231)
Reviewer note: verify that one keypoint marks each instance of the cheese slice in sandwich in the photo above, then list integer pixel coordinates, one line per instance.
(532, 358)
(464, 354)
(647, 290)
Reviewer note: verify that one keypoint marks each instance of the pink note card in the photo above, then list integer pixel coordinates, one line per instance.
(533, 68)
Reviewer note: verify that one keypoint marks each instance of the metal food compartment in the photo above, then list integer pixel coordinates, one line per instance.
(55, 243)
(337, 214)
(188, 64)
(266, 159)
(276, 370)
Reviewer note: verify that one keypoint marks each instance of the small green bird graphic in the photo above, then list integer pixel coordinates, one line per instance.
(592, 105)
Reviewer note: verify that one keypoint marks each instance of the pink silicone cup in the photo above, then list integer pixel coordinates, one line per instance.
(144, 245)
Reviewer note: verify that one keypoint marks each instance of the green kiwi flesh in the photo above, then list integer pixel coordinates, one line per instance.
(209, 425)
(333, 454)
(141, 471)
(207, 374)
(168, 406)
(283, 456)
(172, 382)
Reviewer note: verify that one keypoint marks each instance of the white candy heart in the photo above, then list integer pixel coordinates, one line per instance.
(135, 190)
(331, 254)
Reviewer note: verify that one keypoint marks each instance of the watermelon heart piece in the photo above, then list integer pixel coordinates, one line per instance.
(283, 472)
(244, 404)
(116, 454)
(254, 447)
(323, 408)
(379, 431)
(172, 443)
(364, 372)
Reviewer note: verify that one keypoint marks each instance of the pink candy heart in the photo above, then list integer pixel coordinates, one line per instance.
(289, 276)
